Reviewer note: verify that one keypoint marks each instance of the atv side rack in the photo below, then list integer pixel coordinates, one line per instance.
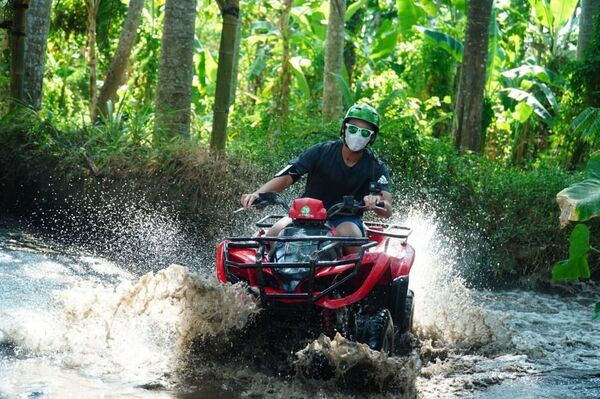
(388, 230)
(310, 296)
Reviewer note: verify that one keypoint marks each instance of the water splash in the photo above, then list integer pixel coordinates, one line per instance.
(353, 365)
(446, 314)
(136, 330)
(144, 234)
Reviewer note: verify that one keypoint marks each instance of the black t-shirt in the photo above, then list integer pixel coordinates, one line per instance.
(330, 179)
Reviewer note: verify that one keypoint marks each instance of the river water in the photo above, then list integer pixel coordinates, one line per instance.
(76, 324)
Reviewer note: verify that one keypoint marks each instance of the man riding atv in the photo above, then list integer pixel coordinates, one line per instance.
(336, 169)
(321, 265)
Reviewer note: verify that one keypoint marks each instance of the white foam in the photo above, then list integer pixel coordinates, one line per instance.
(137, 330)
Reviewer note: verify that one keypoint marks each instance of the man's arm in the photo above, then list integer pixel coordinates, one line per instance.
(277, 184)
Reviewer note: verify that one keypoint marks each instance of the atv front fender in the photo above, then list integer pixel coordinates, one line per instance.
(375, 275)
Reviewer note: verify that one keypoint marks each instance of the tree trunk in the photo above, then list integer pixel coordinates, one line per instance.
(334, 58)
(588, 48)
(226, 72)
(92, 9)
(282, 90)
(17, 47)
(117, 70)
(176, 70)
(590, 11)
(36, 42)
(469, 98)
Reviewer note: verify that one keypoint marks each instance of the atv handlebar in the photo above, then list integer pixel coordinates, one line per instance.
(348, 207)
(266, 199)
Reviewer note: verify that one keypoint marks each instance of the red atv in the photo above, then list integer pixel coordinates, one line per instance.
(357, 286)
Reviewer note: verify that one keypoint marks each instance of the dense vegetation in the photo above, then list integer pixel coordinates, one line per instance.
(540, 118)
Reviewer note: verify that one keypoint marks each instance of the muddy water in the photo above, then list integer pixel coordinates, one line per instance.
(77, 325)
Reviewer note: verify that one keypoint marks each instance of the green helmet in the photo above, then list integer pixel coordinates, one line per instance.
(363, 112)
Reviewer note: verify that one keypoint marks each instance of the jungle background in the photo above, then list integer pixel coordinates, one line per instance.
(489, 108)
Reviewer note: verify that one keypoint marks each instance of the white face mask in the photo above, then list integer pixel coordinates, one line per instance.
(356, 142)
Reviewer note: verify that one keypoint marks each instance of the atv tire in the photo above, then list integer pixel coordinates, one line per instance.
(407, 316)
(376, 330)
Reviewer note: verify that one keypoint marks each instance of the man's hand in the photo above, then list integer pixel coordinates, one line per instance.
(380, 204)
(373, 201)
(248, 199)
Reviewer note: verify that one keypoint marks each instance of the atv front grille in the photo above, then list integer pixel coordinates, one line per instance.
(309, 294)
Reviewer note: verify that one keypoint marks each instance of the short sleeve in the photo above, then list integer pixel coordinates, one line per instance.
(307, 160)
(383, 177)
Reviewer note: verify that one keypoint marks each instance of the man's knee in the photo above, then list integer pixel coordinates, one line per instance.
(278, 226)
(348, 229)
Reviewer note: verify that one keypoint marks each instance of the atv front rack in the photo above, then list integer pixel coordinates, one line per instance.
(388, 230)
(314, 264)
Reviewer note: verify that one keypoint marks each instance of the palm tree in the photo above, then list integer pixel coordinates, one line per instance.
(226, 72)
(117, 70)
(176, 69)
(36, 42)
(334, 58)
(469, 97)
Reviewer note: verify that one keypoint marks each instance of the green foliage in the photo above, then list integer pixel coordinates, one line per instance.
(68, 18)
(587, 126)
(581, 201)
(580, 196)
(406, 55)
(577, 265)
(553, 14)
(409, 14)
(453, 46)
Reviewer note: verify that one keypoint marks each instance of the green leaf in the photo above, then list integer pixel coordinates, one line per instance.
(316, 23)
(408, 14)
(385, 42)
(587, 124)
(534, 71)
(522, 112)
(593, 166)
(538, 108)
(580, 201)
(353, 8)
(461, 5)
(597, 312)
(430, 7)
(550, 97)
(562, 10)
(211, 66)
(542, 12)
(446, 42)
(495, 51)
(577, 265)
(296, 65)
(348, 97)
(258, 65)
(262, 28)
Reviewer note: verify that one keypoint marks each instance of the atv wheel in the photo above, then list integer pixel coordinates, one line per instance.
(376, 330)
(407, 316)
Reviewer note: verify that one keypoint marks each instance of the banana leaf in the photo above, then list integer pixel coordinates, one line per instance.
(581, 201)
(577, 265)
